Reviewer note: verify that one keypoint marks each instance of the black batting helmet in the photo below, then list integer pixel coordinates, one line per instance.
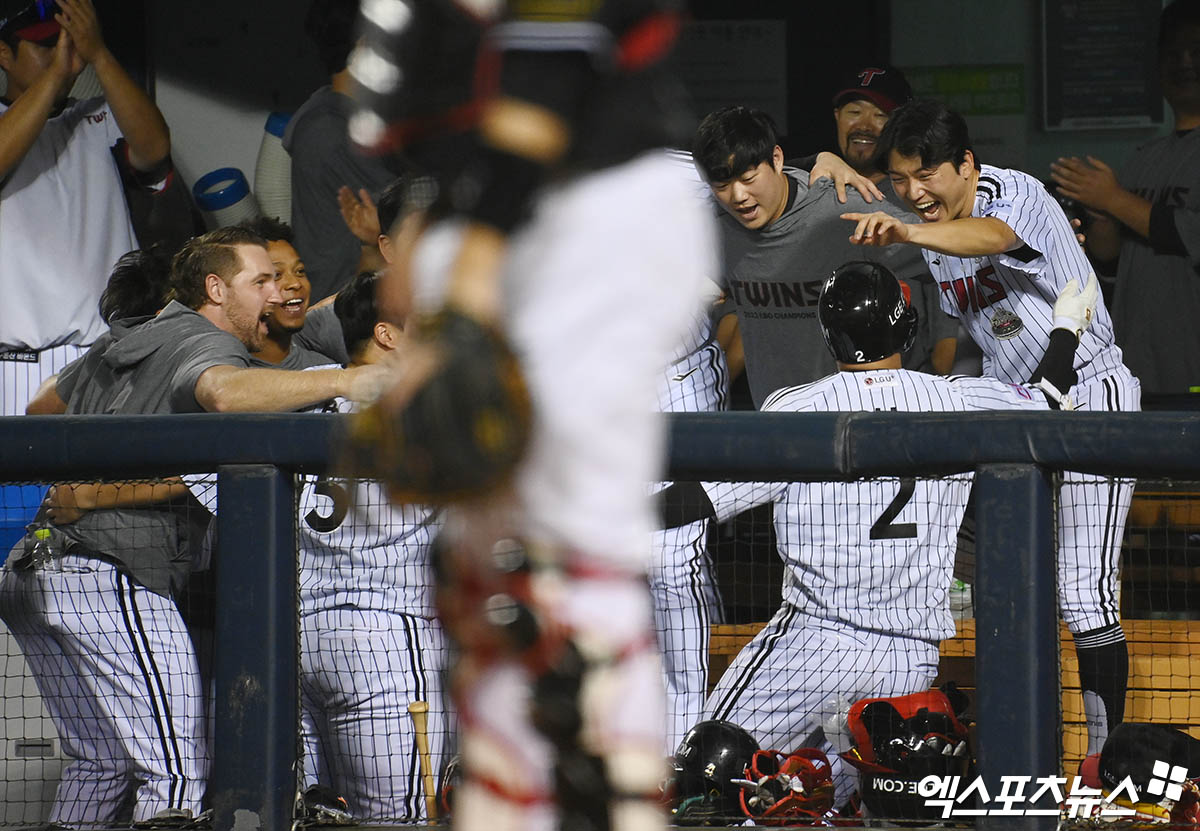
(864, 313)
(711, 756)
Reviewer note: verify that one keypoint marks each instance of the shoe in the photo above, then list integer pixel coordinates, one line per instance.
(169, 818)
(321, 805)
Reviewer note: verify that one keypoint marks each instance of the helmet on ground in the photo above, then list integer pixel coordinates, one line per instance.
(710, 760)
(897, 743)
(864, 313)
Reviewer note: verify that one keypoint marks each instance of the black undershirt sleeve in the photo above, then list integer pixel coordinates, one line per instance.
(1164, 234)
(1057, 364)
(683, 503)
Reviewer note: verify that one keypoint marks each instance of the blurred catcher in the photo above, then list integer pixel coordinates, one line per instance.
(547, 289)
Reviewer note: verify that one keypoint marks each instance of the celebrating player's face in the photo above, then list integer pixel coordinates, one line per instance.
(936, 194)
(758, 196)
(294, 288)
(252, 294)
(859, 124)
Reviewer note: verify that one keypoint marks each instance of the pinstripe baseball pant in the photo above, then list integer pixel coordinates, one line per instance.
(118, 675)
(778, 686)
(360, 670)
(685, 602)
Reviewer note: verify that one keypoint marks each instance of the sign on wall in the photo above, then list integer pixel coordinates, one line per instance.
(736, 62)
(1099, 64)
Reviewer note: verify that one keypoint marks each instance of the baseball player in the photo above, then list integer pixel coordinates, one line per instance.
(1001, 249)
(868, 563)
(370, 645)
(63, 214)
(685, 597)
(581, 242)
(103, 636)
(1148, 217)
(780, 241)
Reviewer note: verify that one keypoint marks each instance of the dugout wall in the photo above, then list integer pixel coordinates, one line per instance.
(253, 780)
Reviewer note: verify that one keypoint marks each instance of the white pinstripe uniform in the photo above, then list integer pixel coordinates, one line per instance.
(592, 366)
(1006, 303)
(63, 224)
(868, 568)
(123, 689)
(681, 581)
(369, 641)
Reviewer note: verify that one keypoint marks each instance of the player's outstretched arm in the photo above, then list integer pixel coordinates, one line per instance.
(67, 503)
(229, 389)
(967, 237)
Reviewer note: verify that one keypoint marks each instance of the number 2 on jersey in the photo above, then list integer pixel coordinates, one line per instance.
(884, 528)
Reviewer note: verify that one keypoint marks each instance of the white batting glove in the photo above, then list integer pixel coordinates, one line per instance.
(1074, 309)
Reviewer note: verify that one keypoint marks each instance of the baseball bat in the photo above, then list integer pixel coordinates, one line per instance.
(419, 712)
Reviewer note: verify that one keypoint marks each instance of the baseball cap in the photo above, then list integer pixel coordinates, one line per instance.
(883, 85)
(29, 20)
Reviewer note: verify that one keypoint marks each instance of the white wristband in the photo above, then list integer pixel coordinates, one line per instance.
(1063, 398)
(1069, 324)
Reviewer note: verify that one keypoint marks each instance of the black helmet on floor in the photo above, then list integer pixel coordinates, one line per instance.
(864, 313)
(710, 757)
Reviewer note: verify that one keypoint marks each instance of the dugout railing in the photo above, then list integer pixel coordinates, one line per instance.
(1017, 700)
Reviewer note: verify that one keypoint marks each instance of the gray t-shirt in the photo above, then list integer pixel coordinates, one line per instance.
(145, 369)
(323, 161)
(322, 334)
(1157, 299)
(773, 277)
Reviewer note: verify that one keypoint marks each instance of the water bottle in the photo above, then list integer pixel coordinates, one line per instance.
(45, 553)
(834, 716)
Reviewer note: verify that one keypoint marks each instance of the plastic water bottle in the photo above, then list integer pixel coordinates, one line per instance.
(835, 723)
(45, 554)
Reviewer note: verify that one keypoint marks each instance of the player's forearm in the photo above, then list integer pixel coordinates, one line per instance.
(729, 338)
(967, 237)
(225, 389)
(475, 281)
(141, 123)
(21, 123)
(102, 495)
(1058, 363)
(1103, 239)
(1130, 210)
(942, 355)
(46, 401)
(683, 503)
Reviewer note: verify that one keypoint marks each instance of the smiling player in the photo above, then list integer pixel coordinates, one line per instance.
(1001, 249)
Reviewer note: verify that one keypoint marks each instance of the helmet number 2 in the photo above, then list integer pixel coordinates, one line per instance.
(884, 528)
